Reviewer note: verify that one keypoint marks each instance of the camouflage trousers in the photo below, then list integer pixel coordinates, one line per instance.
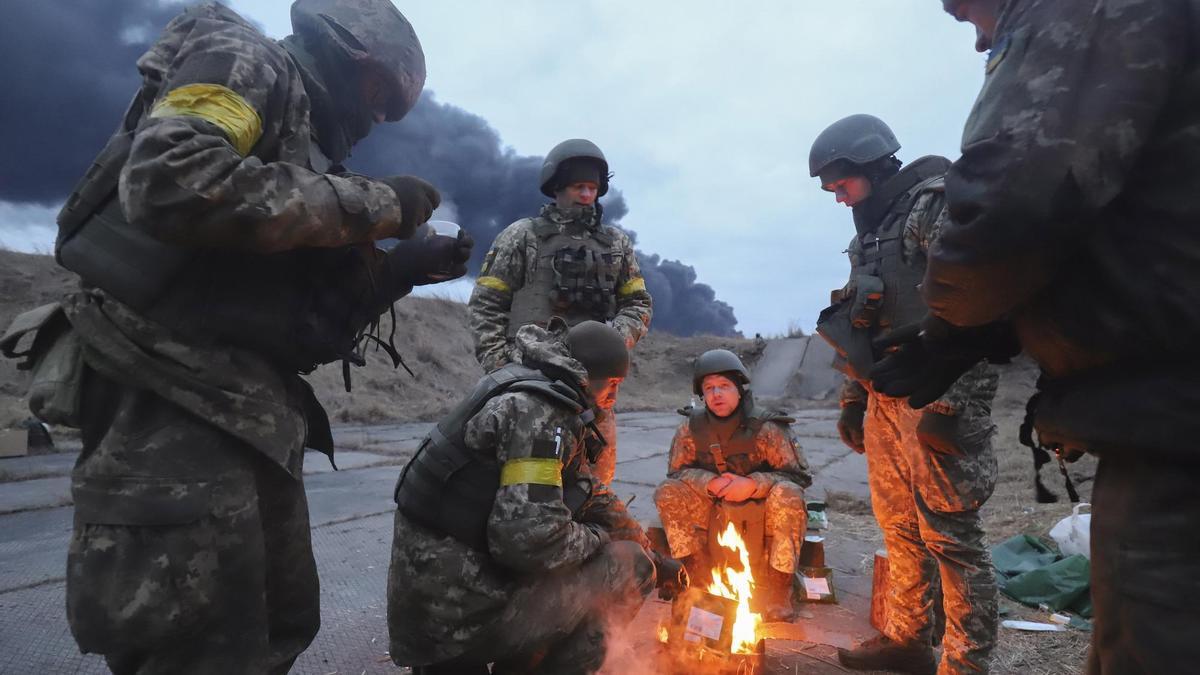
(605, 466)
(558, 623)
(927, 505)
(686, 513)
(1145, 564)
(190, 552)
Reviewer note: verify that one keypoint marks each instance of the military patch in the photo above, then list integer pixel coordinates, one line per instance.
(997, 53)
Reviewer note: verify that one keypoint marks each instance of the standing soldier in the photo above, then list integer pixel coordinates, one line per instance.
(1075, 225)
(567, 263)
(732, 450)
(218, 260)
(929, 470)
(506, 550)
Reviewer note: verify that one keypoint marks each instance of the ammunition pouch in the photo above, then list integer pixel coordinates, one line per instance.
(853, 345)
(868, 300)
(54, 357)
(583, 282)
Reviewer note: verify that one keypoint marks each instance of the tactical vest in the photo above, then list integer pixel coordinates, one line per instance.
(884, 290)
(739, 453)
(449, 487)
(575, 277)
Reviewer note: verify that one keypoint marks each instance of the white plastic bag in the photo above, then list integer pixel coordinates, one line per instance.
(1073, 534)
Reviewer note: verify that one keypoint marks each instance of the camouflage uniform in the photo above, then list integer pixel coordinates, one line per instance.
(512, 263)
(540, 599)
(927, 503)
(779, 470)
(191, 550)
(1074, 213)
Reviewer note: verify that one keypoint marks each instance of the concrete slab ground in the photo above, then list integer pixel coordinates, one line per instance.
(351, 530)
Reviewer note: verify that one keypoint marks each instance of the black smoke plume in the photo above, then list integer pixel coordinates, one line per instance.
(70, 74)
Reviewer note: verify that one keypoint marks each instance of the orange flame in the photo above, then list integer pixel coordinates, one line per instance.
(738, 584)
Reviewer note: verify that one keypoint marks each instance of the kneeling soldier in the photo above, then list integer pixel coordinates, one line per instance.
(731, 450)
(506, 549)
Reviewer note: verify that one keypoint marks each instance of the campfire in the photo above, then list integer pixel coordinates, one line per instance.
(714, 631)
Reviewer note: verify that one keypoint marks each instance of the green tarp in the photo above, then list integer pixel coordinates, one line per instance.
(1031, 573)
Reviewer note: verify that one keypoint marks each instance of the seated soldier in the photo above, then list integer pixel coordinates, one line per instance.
(731, 450)
(506, 549)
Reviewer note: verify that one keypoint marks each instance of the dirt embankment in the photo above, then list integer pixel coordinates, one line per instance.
(431, 335)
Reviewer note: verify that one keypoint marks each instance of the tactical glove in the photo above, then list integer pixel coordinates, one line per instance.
(925, 359)
(939, 433)
(850, 426)
(672, 576)
(430, 260)
(417, 200)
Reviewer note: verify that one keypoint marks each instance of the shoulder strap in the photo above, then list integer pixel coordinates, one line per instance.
(704, 439)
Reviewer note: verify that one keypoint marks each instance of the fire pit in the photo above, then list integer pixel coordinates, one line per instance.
(712, 630)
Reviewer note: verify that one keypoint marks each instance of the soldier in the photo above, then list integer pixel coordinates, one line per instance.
(218, 260)
(1073, 226)
(506, 549)
(732, 450)
(565, 262)
(929, 470)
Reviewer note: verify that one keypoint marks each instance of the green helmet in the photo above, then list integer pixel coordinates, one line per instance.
(718, 362)
(575, 148)
(857, 139)
(372, 34)
(600, 348)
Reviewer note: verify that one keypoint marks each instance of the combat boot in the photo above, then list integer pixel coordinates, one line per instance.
(776, 602)
(881, 653)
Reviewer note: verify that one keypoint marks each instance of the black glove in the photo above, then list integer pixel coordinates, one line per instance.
(939, 433)
(850, 426)
(417, 197)
(430, 260)
(925, 359)
(672, 576)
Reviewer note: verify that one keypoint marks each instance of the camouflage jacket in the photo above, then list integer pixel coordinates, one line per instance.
(446, 593)
(977, 387)
(1074, 206)
(511, 263)
(775, 446)
(224, 152)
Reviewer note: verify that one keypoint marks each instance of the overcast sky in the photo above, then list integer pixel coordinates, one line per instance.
(706, 111)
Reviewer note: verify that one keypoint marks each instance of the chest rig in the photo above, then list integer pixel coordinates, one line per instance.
(574, 276)
(737, 454)
(884, 289)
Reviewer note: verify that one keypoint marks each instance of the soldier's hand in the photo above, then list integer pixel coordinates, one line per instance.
(740, 488)
(430, 260)
(671, 576)
(417, 197)
(939, 433)
(718, 484)
(924, 360)
(850, 426)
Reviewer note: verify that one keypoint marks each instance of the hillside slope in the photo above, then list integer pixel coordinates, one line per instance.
(431, 335)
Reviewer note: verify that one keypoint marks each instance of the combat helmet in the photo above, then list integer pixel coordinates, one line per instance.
(600, 349)
(572, 149)
(372, 34)
(857, 140)
(718, 362)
